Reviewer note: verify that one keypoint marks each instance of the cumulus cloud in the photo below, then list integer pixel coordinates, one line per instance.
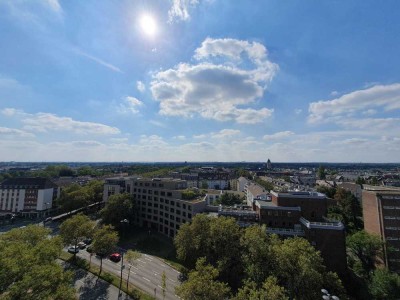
(180, 10)
(129, 105)
(216, 88)
(140, 86)
(386, 97)
(278, 135)
(46, 122)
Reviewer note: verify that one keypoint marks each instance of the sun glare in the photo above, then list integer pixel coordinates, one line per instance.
(148, 25)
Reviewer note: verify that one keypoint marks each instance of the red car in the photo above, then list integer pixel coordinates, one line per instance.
(115, 257)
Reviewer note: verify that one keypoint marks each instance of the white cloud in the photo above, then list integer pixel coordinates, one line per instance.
(217, 91)
(32, 11)
(54, 5)
(47, 122)
(225, 133)
(278, 135)
(179, 137)
(77, 144)
(386, 97)
(180, 9)
(11, 112)
(298, 111)
(359, 142)
(140, 86)
(129, 105)
(14, 133)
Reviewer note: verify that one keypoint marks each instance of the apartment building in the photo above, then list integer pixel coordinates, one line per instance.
(381, 210)
(303, 214)
(255, 192)
(29, 196)
(161, 202)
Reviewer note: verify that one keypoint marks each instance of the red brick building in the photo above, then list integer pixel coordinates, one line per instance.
(304, 214)
(381, 210)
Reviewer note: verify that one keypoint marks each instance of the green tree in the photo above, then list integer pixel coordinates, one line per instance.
(118, 207)
(363, 249)
(131, 257)
(202, 284)
(104, 242)
(270, 290)
(225, 251)
(164, 284)
(360, 180)
(384, 285)
(348, 210)
(265, 184)
(328, 191)
(257, 254)
(229, 199)
(321, 173)
(28, 267)
(75, 229)
(299, 268)
(192, 240)
(216, 239)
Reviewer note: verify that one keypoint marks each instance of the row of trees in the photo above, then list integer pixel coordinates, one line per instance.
(248, 263)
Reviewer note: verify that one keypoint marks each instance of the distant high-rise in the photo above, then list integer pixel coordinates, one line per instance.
(381, 210)
(269, 164)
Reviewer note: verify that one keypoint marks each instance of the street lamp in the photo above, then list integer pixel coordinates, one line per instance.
(327, 296)
(122, 251)
(124, 223)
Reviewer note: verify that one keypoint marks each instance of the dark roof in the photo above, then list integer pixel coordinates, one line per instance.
(27, 183)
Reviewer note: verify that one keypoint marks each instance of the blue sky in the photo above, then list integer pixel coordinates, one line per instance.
(200, 80)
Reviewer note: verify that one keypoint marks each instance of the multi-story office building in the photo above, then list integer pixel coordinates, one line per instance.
(381, 210)
(30, 196)
(161, 203)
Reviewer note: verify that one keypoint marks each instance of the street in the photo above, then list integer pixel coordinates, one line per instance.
(146, 274)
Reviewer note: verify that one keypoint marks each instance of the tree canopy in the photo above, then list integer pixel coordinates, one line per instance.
(28, 267)
(363, 248)
(118, 207)
(202, 284)
(76, 228)
(251, 255)
(104, 242)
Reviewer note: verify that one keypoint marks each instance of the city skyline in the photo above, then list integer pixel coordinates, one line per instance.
(199, 81)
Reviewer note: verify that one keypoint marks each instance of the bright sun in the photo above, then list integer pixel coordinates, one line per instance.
(148, 25)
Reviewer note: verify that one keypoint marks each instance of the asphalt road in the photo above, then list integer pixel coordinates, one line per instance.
(146, 274)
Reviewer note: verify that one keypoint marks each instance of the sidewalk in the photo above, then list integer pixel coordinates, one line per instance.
(90, 287)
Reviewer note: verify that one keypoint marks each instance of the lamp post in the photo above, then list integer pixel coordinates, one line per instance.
(122, 251)
(122, 268)
(327, 296)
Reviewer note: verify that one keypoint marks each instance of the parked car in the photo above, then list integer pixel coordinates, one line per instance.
(87, 241)
(115, 257)
(73, 249)
(81, 245)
